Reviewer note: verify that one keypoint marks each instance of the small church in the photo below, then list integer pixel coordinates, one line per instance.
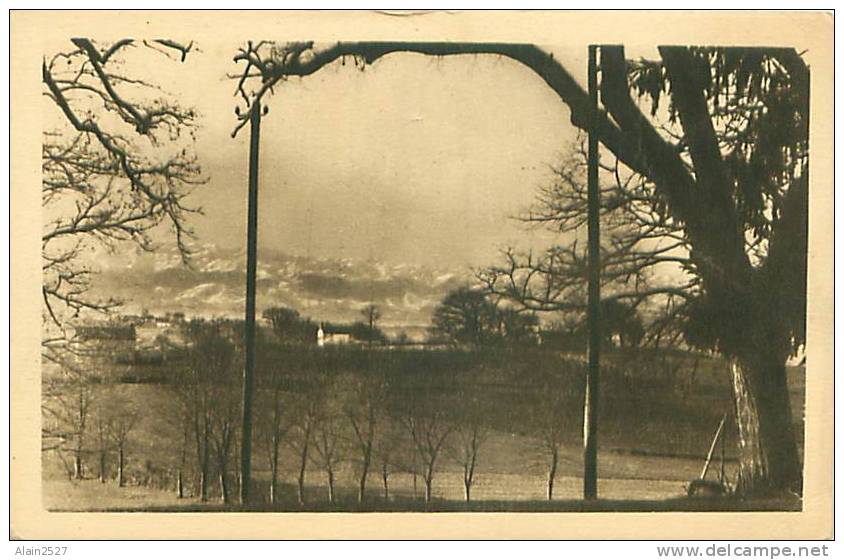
(332, 335)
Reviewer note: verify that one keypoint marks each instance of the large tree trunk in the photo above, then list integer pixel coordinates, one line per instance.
(768, 458)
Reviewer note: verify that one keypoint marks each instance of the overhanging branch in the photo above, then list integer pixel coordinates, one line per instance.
(301, 59)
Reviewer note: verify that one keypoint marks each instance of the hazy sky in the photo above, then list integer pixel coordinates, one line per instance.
(385, 185)
(414, 159)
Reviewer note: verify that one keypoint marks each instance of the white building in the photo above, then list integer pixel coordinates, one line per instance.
(332, 338)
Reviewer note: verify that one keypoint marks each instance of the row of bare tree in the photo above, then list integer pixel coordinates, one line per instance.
(376, 420)
(322, 411)
(83, 422)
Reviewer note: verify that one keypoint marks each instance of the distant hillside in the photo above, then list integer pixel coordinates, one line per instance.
(328, 289)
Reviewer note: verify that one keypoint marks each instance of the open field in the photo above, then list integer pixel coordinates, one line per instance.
(654, 434)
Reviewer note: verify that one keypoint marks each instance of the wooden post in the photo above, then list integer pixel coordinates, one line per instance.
(590, 407)
(249, 338)
(712, 447)
(723, 475)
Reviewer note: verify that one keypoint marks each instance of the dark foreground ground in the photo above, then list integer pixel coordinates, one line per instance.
(660, 495)
(401, 504)
(654, 436)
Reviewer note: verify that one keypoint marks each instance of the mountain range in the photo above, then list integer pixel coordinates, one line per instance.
(213, 283)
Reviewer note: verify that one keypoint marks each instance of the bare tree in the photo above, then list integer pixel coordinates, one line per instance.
(469, 435)
(302, 436)
(548, 417)
(202, 440)
(387, 450)
(364, 407)
(551, 438)
(470, 439)
(428, 430)
(68, 406)
(275, 426)
(102, 427)
(372, 314)
(118, 163)
(115, 417)
(327, 438)
(120, 428)
(223, 433)
(202, 389)
(183, 454)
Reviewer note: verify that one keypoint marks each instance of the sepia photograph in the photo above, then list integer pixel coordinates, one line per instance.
(368, 263)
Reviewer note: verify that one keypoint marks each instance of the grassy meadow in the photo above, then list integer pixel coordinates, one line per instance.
(658, 413)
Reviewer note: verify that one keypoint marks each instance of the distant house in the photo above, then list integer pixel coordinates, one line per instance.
(106, 332)
(151, 332)
(133, 340)
(330, 335)
(111, 342)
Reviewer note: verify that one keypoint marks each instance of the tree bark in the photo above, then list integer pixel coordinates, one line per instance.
(467, 488)
(552, 473)
(362, 484)
(273, 485)
(77, 465)
(384, 476)
(224, 491)
(469, 478)
(301, 479)
(301, 488)
(768, 458)
(274, 469)
(102, 473)
(203, 484)
(120, 463)
(180, 480)
(330, 473)
(203, 475)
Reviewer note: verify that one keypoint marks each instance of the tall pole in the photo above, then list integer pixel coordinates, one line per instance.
(590, 407)
(251, 267)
